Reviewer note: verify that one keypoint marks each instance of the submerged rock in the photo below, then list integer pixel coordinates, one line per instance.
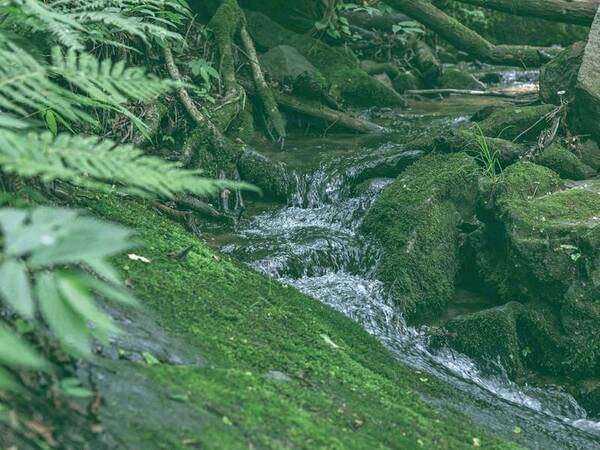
(588, 82)
(416, 220)
(565, 163)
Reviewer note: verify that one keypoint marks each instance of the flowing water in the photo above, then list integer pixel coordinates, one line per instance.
(314, 244)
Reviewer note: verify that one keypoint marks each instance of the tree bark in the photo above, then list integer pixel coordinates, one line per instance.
(578, 12)
(468, 40)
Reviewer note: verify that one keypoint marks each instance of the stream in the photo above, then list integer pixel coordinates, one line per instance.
(314, 244)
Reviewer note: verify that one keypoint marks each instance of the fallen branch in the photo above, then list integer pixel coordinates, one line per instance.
(437, 92)
(332, 116)
(579, 12)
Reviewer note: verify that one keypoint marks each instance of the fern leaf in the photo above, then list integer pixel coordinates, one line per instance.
(25, 86)
(107, 82)
(99, 164)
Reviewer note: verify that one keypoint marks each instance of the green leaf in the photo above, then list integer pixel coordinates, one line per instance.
(51, 122)
(69, 328)
(116, 294)
(15, 352)
(15, 288)
(11, 219)
(76, 293)
(72, 387)
(7, 382)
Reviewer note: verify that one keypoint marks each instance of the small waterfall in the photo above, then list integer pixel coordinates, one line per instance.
(314, 244)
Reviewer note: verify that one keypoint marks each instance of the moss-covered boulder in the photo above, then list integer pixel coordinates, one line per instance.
(338, 64)
(588, 82)
(542, 248)
(279, 369)
(525, 122)
(416, 220)
(458, 79)
(565, 163)
(490, 336)
(285, 64)
(273, 178)
(560, 74)
(405, 81)
(589, 152)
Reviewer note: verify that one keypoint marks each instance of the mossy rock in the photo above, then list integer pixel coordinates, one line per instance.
(416, 220)
(589, 152)
(339, 65)
(405, 81)
(560, 74)
(285, 64)
(459, 79)
(565, 163)
(273, 178)
(490, 336)
(281, 370)
(525, 122)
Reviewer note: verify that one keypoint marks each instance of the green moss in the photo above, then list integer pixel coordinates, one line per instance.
(416, 220)
(350, 394)
(338, 64)
(458, 79)
(490, 336)
(525, 180)
(565, 163)
(525, 122)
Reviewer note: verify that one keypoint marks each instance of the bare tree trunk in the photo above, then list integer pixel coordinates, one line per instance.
(578, 12)
(468, 40)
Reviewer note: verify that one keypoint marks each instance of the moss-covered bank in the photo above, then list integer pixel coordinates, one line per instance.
(282, 370)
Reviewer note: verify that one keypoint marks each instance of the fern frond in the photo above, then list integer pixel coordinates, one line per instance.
(75, 22)
(107, 82)
(25, 86)
(96, 163)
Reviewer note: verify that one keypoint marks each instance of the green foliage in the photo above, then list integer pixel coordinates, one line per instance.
(98, 163)
(74, 23)
(44, 252)
(486, 156)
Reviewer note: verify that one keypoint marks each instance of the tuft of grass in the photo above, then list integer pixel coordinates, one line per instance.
(486, 156)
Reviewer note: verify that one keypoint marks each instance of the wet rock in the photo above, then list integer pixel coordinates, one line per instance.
(588, 82)
(416, 219)
(565, 163)
(272, 177)
(560, 74)
(458, 79)
(490, 336)
(524, 122)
